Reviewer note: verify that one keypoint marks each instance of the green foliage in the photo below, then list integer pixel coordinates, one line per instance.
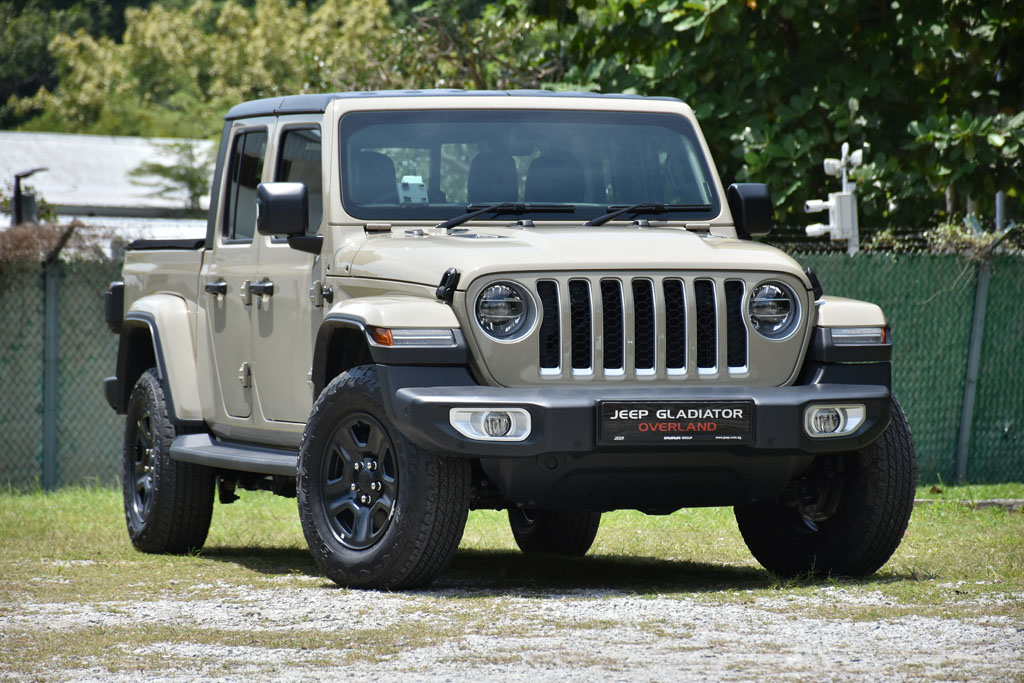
(967, 238)
(189, 172)
(977, 155)
(178, 70)
(504, 47)
(779, 85)
(933, 88)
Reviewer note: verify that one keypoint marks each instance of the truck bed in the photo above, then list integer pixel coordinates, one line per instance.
(162, 266)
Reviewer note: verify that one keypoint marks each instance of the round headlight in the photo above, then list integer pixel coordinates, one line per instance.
(773, 310)
(502, 310)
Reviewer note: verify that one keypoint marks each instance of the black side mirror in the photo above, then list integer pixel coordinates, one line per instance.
(751, 207)
(282, 208)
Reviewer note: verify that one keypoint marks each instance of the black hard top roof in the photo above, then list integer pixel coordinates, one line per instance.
(305, 104)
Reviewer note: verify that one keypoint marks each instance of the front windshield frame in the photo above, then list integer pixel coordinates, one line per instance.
(365, 130)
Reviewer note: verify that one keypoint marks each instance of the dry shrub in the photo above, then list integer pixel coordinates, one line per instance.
(34, 243)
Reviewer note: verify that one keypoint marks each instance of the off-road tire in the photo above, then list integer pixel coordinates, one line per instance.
(426, 495)
(554, 532)
(876, 499)
(167, 504)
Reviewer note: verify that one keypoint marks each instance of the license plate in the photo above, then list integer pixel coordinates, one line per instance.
(675, 422)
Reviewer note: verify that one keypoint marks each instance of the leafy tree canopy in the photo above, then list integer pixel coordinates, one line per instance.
(933, 88)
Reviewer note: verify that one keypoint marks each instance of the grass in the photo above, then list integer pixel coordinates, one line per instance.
(67, 553)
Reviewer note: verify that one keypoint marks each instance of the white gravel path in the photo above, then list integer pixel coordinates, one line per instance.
(580, 635)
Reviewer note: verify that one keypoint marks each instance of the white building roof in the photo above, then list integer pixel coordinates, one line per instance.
(89, 174)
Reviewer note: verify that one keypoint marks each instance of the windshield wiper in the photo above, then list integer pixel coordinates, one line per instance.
(473, 211)
(614, 213)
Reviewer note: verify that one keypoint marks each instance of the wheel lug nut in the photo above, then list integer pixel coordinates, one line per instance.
(375, 486)
(353, 487)
(373, 466)
(364, 499)
(357, 466)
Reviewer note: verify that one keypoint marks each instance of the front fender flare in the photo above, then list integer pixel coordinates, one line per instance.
(351, 319)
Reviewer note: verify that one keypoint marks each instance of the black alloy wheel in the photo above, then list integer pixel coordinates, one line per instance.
(359, 481)
(377, 510)
(143, 456)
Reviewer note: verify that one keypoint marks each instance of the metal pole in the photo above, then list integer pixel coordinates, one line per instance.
(973, 363)
(51, 321)
(17, 216)
(974, 352)
(16, 204)
(51, 359)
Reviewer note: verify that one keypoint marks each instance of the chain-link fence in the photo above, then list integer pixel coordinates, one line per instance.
(930, 303)
(929, 300)
(88, 432)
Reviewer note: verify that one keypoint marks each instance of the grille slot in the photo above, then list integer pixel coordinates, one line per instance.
(650, 325)
(644, 326)
(675, 327)
(550, 337)
(614, 328)
(735, 330)
(581, 326)
(707, 332)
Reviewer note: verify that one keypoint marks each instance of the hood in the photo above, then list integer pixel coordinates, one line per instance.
(422, 256)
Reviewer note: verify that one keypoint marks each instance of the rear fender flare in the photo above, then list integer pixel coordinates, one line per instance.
(157, 330)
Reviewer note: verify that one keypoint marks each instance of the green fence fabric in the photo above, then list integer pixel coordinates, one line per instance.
(21, 374)
(997, 436)
(88, 431)
(929, 300)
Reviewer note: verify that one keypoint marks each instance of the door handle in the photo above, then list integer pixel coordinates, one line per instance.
(218, 287)
(261, 288)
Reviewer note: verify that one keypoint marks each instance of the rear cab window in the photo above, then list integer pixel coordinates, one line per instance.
(245, 172)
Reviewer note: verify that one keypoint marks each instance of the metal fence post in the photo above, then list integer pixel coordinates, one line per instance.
(963, 445)
(51, 359)
(51, 326)
(973, 364)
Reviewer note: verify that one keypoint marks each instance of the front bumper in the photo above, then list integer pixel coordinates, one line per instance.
(565, 419)
(561, 464)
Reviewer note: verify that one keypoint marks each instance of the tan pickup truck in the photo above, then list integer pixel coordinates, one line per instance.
(413, 304)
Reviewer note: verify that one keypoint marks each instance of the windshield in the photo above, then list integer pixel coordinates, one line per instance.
(433, 165)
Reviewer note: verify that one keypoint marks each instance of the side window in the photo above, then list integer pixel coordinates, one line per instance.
(299, 162)
(244, 176)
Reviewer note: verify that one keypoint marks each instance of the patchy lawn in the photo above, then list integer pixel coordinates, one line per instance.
(673, 597)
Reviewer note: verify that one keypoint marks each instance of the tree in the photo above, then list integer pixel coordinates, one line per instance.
(177, 71)
(188, 172)
(779, 85)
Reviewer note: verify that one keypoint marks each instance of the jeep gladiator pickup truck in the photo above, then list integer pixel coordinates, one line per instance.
(413, 304)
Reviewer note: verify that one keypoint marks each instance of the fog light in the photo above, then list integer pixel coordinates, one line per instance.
(826, 420)
(822, 421)
(497, 424)
(489, 424)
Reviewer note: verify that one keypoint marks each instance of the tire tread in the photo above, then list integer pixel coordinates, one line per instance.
(183, 492)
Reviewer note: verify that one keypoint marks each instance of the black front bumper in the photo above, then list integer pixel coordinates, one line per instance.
(565, 419)
(561, 464)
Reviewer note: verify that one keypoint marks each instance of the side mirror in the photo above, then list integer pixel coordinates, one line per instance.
(282, 208)
(751, 207)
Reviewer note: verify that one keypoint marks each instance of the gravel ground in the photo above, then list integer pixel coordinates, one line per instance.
(455, 632)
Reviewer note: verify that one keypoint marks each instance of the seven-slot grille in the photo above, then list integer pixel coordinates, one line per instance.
(615, 325)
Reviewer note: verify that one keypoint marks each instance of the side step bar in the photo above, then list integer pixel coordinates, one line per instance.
(201, 449)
